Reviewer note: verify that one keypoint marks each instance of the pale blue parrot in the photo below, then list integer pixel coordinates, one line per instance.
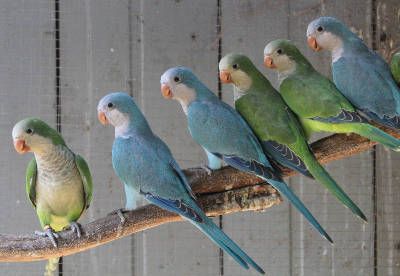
(218, 128)
(361, 75)
(145, 165)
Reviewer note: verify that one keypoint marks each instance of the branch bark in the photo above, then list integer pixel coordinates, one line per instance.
(224, 191)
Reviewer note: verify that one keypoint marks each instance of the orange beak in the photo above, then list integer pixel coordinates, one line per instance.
(166, 91)
(269, 62)
(312, 42)
(20, 146)
(225, 76)
(102, 118)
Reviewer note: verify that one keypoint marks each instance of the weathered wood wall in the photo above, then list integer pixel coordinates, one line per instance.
(125, 45)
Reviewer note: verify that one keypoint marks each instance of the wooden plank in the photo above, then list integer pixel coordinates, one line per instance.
(27, 89)
(353, 250)
(387, 173)
(95, 52)
(246, 27)
(176, 33)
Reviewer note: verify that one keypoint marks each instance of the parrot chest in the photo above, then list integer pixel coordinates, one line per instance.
(59, 186)
(131, 163)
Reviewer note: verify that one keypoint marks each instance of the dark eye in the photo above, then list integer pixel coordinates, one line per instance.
(320, 29)
(110, 105)
(279, 51)
(177, 79)
(235, 66)
(29, 131)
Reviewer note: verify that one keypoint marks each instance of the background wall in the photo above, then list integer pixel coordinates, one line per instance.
(58, 58)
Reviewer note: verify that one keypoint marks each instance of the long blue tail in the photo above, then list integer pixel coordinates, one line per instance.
(269, 175)
(284, 189)
(215, 234)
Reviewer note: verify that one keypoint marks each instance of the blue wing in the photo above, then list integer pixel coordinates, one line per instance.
(390, 121)
(344, 116)
(182, 177)
(220, 129)
(286, 157)
(174, 205)
(250, 166)
(365, 80)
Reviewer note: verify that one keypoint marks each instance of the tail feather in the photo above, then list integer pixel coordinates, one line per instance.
(273, 178)
(215, 234)
(51, 266)
(322, 176)
(287, 192)
(377, 135)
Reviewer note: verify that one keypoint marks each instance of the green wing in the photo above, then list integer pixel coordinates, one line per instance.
(30, 181)
(267, 116)
(86, 179)
(395, 67)
(312, 95)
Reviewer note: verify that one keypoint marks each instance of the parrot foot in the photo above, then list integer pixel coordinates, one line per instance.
(120, 212)
(207, 169)
(76, 228)
(49, 233)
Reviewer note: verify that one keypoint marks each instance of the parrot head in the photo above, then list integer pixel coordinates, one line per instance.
(181, 84)
(117, 109)
(237, 69)
(282, 55)
(34, 135)
(328, 33)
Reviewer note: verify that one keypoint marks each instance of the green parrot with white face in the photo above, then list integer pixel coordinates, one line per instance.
(315, 99)
(276, 126)
(58, 181)
(395, 67)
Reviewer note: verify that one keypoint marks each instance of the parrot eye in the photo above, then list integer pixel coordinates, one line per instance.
(279, 51)
(29, 131)
(235, 66)
(110, 105)
(320, 29)
(177, 79)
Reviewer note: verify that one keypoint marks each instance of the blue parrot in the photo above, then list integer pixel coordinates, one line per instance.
(145, 165)
(361, 75)
(218, 128)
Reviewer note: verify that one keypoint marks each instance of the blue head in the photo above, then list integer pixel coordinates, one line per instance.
(181, 84)
(119, 110)
(331, 34)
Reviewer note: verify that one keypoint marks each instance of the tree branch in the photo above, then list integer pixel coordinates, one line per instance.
(224, 191)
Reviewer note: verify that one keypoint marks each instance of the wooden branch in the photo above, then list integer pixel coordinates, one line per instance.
(224, 191)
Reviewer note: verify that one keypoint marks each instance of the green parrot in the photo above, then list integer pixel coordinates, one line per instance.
(315, 99)
(58, 181)
(275, 125)
(395, 67)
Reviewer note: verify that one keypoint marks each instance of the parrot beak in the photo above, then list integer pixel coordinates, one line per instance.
(312, 42)
(20, 146)
(225, 76)
(102, 118)
(166, 91)
(269, 62)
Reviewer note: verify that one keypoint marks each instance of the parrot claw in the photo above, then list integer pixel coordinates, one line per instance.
(120, 212)
(49, 233)
(207, 169)
(76, 228)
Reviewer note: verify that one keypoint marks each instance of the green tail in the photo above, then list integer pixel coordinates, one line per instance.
(51, 266)
(365, 130)
(322, 176)
(377, 135)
